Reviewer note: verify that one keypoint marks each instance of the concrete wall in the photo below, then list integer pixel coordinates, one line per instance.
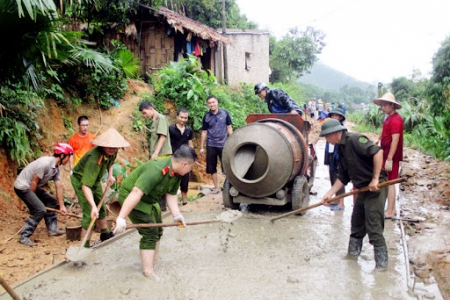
(248, 56)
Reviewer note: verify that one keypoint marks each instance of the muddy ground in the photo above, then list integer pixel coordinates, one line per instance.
(250, 258)
(425, 196)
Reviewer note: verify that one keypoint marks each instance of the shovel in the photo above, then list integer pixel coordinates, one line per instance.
(364, 189)
(78, 253)
(157, 225)
(228, 216)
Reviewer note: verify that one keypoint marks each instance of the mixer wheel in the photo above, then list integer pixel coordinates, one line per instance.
(300, 194)
(226, 197)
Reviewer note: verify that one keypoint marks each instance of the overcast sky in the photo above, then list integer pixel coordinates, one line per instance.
(368, 40)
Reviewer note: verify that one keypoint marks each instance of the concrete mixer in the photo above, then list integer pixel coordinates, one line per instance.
(267, 162)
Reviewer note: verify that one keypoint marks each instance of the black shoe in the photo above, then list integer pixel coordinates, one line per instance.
(106, 236)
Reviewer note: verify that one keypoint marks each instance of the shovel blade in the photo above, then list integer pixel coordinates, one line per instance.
(77, 253)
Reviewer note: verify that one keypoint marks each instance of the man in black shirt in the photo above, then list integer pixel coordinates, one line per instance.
(181, 134)
(278, 101)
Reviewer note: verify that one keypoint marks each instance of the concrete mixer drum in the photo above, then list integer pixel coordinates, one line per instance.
(266, 162)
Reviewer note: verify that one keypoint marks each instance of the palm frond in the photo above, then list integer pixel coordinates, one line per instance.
(92, 58)
(46, 7)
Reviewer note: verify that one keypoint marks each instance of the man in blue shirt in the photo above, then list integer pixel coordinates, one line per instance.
(215, 130)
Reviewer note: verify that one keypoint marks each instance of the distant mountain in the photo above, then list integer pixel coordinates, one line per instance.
(328, 78)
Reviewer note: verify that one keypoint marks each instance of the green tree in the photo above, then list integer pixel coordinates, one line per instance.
(295, 53)
(439, 85)
(209, 12)
(39, 41)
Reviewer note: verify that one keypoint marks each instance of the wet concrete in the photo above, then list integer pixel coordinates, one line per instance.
(250, 258)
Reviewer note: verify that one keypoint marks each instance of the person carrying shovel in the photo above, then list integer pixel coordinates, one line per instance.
(360, 162)
(29, 188)
(139, 194)
(86, 180)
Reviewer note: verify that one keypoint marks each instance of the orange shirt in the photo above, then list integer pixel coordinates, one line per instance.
(81, 145)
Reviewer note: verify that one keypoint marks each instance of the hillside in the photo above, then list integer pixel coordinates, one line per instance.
(328, 78)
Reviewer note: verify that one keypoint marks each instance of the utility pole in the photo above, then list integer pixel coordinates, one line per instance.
(224, 31)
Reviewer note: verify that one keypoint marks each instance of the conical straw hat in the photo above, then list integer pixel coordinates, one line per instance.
(388, 97)
(111, 138)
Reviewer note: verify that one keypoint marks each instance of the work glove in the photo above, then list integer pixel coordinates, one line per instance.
(388, 166)
(121, 225)
(202, 151)
(179, 218)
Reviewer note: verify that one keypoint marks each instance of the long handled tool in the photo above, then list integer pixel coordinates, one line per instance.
(362, 190)
(157, 225)
(59, 212)
(78, 253)
(9, 289)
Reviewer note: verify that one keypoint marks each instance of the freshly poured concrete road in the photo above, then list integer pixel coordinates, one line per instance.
(251, 258)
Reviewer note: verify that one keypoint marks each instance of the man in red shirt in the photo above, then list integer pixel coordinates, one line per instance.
(391, 141)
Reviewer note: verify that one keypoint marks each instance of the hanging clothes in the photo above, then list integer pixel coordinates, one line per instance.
(198, 48)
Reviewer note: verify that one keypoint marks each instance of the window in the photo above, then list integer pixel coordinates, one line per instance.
(247, 60)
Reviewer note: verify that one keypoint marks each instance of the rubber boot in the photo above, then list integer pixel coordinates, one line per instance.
(27, 230)
(106, 236)
(52, 224)
(381, 258)
(354, 247)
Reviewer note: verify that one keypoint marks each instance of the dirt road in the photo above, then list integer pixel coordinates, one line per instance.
(251, 258)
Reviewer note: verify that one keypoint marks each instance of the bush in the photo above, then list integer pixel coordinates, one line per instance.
(188, 86)
(18, 126)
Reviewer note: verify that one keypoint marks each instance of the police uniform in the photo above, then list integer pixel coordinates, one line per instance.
(154, 178)
(89, 171)
(356, 153)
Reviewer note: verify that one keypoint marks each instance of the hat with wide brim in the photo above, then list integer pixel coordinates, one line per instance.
(388, 97)
(337, 111)
(331, 126)
(112, 139)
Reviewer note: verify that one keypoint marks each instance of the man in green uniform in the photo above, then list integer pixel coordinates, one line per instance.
(139, 194)
(159, 131)
(360, 162)
(159, 137)
(86, 179)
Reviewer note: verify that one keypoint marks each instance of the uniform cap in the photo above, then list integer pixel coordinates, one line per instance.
(112, 139)
(330, 126)
(337, 111)
(388, 97)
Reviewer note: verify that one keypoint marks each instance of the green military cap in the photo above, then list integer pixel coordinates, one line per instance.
(330, 126)
(337, 111)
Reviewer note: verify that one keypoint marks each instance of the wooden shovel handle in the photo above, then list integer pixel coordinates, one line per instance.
(88, 231)
(364, 189)
(157, 225)
(9, 289)
(59, 212)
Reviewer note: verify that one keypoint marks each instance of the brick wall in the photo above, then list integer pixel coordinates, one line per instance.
(248, 56)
